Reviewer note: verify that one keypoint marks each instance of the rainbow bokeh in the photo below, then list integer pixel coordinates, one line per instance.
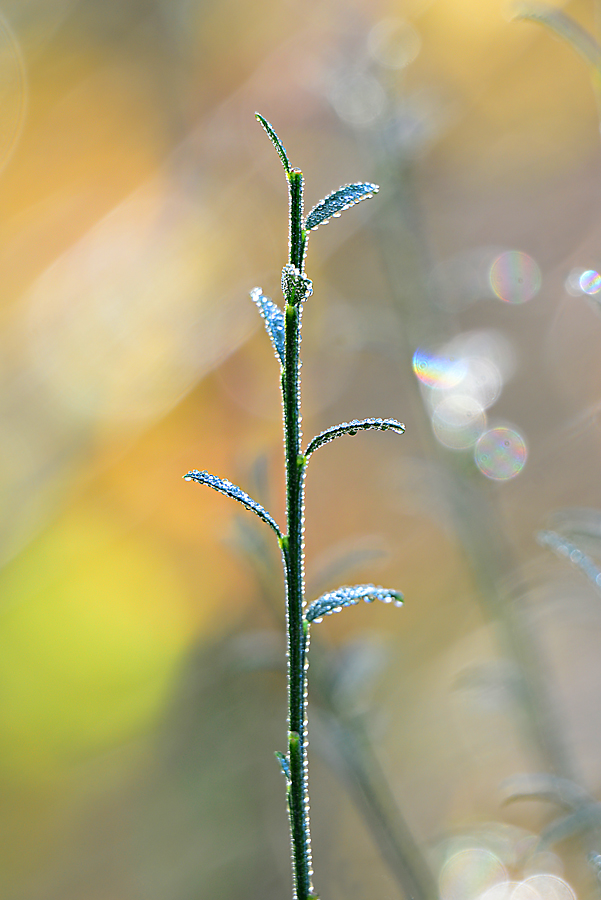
(500, 453)
(515, 277)
(438, 371)
(590, 282)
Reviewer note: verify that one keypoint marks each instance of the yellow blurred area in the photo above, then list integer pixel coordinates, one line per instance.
(93, 625)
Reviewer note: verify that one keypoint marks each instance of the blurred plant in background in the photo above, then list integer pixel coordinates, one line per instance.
(138, 204)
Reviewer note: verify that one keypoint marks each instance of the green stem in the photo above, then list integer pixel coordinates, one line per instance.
(297, 234)
(298, 796)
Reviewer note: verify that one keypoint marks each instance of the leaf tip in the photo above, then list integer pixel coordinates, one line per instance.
(273, 137)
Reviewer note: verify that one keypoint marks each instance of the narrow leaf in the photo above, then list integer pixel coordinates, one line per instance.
(283, 765)
(564, 27)
(275, 141)
(585, 818)
(223, 486)
(296, 287)
(562, 547)
(274, 321)
(353, 427)
(335, 203)
(544, 787)
(334, 601)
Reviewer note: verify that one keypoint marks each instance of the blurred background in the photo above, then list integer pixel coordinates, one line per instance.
(454, 743)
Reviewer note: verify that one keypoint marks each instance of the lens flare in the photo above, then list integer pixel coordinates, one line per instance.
(510, 890)
(458, 421)
(590, 282)
(550, 887)
(393, 43)
(468, 873)
(500, 453)
(438, 371)
(515, 277)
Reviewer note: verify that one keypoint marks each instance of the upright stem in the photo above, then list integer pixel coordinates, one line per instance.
(298, 796)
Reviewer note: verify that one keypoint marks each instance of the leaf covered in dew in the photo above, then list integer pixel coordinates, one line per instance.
(283, 765)
(274, 321)
(564, 27)
(223, 486)
(335, 203)
(330, 434)
(281, 151)
(334, 601)
(296, 287)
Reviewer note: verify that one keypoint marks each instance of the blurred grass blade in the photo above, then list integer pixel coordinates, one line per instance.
(274, 321)
(568, 550)
(330, 434)
(334, 601)
(336, 562)
(335, 203)
(578, 523)
(564, 27)
(223, 486)
(546, 788)
(275, 141)
(586, 818)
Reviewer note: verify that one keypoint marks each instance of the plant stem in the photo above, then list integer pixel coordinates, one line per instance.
(298, 800)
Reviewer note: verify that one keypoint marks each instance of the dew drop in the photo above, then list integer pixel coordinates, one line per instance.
(188, 478)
